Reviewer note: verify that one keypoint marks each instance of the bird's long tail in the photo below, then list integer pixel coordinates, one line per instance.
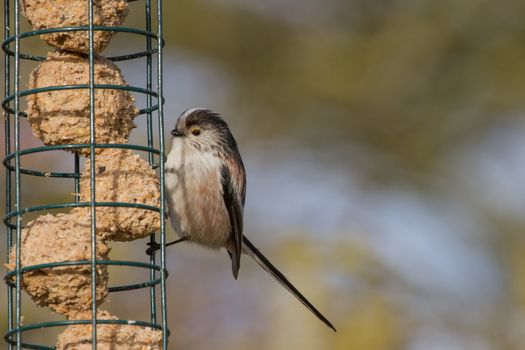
(272, 270)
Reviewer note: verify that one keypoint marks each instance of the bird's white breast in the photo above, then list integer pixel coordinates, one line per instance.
(194, 193)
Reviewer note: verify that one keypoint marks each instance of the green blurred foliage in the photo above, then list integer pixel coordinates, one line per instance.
(410, 78)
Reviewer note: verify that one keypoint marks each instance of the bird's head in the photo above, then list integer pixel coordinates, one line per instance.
(204, 130)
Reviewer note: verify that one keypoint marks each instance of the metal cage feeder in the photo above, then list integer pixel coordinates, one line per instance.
(14, 55)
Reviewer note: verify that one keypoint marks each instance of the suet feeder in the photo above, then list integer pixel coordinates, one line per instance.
(122, 176)
(64, 237)
(79, 102)
(62, 116)
(46, 14)
(110, 336)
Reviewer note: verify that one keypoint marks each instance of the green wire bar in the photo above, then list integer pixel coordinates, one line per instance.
(15, 53)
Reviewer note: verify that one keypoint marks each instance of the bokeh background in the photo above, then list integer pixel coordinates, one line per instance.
(384, 143)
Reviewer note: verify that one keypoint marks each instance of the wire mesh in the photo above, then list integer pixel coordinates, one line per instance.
(14, 54)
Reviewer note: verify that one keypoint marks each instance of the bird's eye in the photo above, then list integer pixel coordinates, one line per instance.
(196, 132)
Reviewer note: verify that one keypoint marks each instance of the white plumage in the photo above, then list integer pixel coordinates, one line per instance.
(194, 193)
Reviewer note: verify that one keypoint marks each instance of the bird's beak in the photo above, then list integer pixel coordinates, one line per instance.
(176, 133)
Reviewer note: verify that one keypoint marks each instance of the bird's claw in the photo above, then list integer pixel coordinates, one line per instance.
(153, 247)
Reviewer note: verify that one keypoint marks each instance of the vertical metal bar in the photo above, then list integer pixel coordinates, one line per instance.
(149, 79)
(92, 180)
(160, 40)
(7, 145)
(149, 121)
(17, 178)
(77, 179)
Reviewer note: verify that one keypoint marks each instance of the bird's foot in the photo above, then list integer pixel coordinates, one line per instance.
(153, 247)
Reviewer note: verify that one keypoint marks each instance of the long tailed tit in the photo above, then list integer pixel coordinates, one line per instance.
(206, 190)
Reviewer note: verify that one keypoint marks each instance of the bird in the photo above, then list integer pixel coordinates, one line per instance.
(205, 185)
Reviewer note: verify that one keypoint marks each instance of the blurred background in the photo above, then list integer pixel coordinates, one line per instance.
(384, 143)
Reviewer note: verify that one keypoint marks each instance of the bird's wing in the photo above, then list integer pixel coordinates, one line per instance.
(233, 194)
